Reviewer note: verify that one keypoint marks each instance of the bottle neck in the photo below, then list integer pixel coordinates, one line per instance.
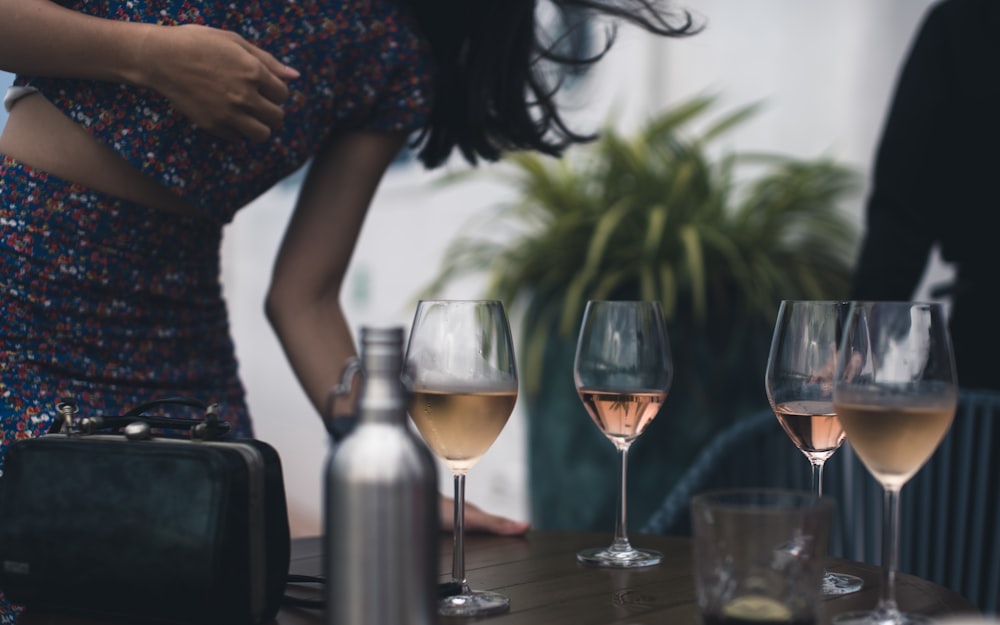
(383, 398)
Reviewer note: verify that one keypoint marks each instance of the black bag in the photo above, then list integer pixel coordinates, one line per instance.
(121, 518)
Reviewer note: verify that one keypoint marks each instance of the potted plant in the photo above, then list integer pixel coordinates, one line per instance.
(718, 237)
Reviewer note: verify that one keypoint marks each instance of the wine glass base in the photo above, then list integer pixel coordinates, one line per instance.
(474, 603)
(619, 558)
(881, 617)
(839, 584)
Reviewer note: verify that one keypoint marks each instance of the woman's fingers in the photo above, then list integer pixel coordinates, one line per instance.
(264, 106)
(477, 520)
(220, 81)
(277, 76)
(263, 118)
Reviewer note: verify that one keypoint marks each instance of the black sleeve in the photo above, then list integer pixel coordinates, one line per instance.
(907, 181)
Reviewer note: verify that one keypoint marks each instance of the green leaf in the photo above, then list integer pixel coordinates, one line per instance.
(696, 269)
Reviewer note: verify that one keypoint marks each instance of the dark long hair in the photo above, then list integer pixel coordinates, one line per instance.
(497, 75)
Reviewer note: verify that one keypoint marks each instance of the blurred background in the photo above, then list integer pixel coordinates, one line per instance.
(822, 72)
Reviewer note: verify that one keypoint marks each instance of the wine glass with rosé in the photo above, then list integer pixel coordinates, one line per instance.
(799, 385)
(895, 392)
(622, 372)
(461, 371)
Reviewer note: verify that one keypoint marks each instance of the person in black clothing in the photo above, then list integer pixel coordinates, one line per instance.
(935, 181)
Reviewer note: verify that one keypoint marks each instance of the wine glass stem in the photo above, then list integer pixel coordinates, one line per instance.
(890, 549)
(458, 551)
(817, 477)
(621, 536)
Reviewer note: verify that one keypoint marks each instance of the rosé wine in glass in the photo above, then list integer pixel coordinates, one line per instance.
(799, 385)
(622, 372)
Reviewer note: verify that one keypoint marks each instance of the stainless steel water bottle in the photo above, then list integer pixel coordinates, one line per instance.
(381, 502)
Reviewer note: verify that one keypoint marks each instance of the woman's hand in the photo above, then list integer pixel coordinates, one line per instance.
(477, 520)
(219, 80)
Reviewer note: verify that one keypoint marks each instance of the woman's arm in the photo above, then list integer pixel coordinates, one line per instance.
(303, 302)
(40, 37)
(222, 82)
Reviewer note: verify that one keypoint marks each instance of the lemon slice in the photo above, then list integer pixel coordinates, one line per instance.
(762, 609)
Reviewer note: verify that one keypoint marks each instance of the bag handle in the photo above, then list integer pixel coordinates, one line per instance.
(209, 428)
(181, 400)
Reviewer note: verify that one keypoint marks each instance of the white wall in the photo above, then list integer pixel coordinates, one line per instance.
(5, 80)
(824, 71)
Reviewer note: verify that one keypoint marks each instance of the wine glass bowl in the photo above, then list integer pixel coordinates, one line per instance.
(622, 371)
(813, 427)
(896, 436)
(622, 417)
(462, 376)
(799, 385)
(461, 425)
(895, 391)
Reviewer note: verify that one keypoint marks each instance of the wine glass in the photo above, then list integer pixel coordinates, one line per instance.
(799, 385)
(622, 372)
(461, 371)
(895, 392)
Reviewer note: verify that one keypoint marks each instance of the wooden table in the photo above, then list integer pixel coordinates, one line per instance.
(547, 586)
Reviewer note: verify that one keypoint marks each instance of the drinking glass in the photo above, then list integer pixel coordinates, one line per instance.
(895, 392)
(622, 372)
(758, 555)
(799, 385)
(461, 371)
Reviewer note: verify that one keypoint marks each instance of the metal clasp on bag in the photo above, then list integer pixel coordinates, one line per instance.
(212, 427)
(68, 409)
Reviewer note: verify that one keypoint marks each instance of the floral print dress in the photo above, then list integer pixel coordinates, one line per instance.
(114, 304)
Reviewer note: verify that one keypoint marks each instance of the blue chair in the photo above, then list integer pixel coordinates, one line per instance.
(756, 452)
(950, 512)
(753, 451)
